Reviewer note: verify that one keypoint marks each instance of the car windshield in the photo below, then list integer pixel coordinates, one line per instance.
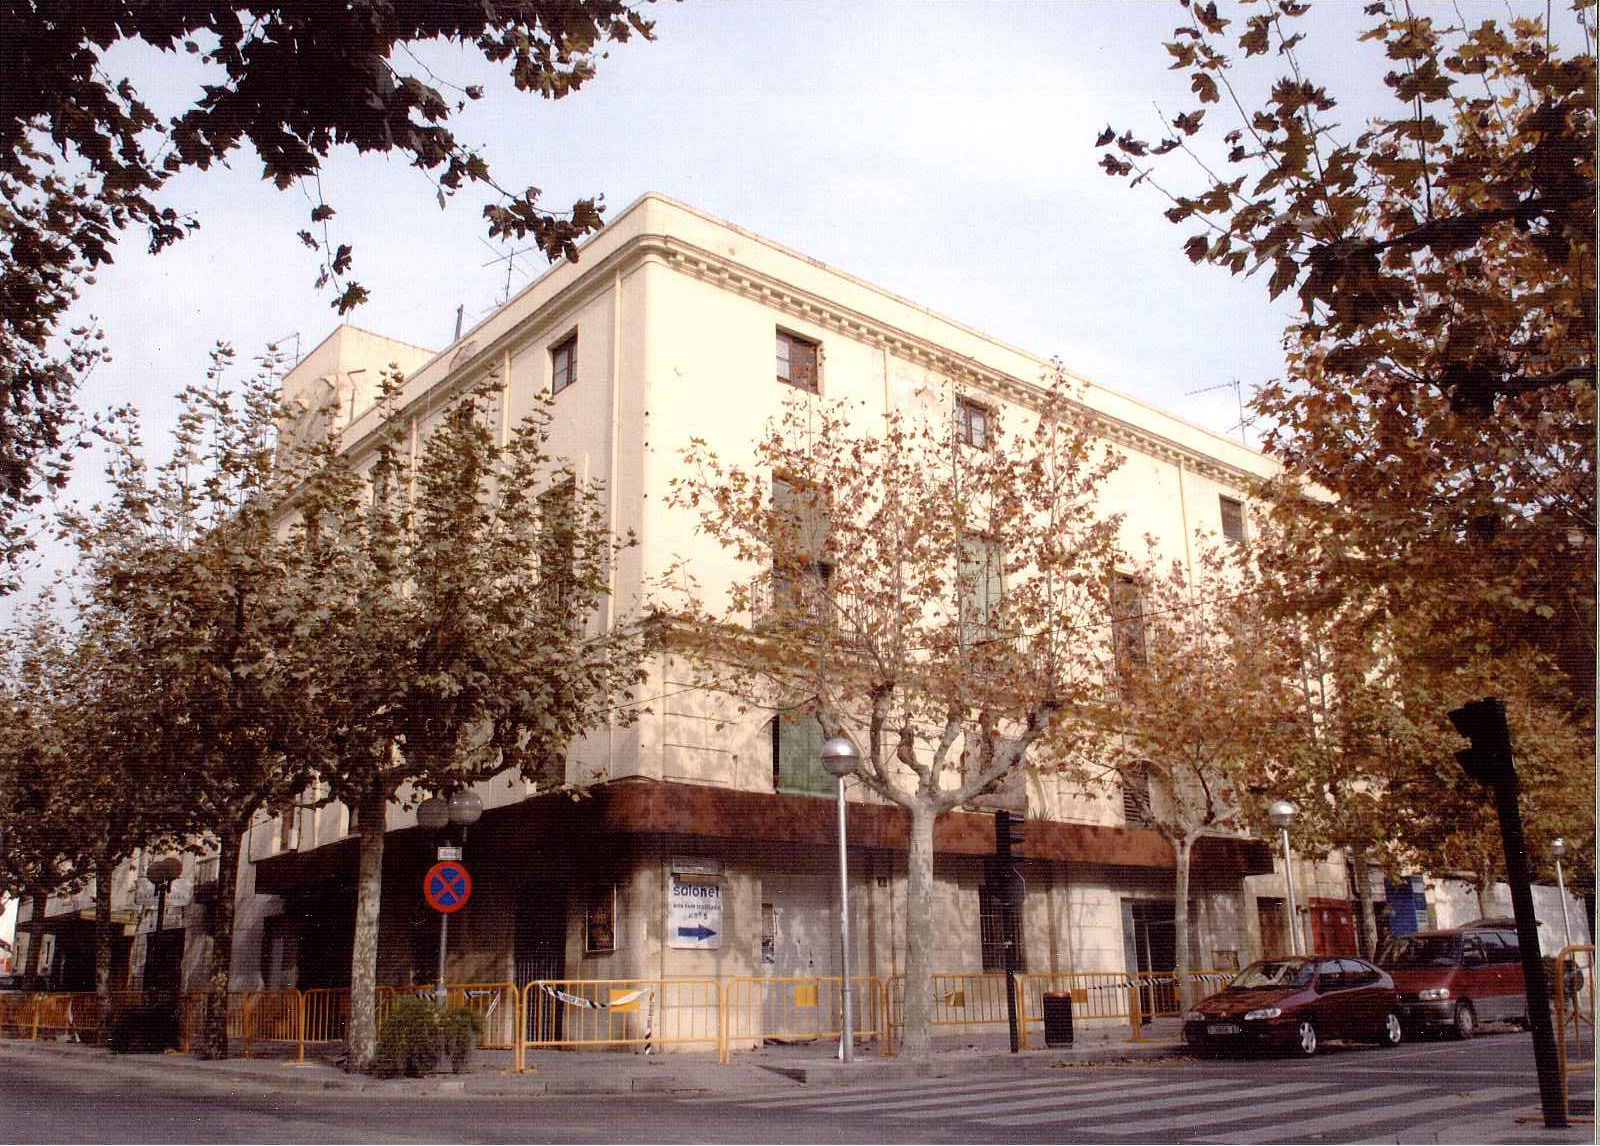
(1274, 973)
(1420, 951)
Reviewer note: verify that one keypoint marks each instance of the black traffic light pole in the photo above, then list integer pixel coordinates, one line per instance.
(1004, 834)
(1489, 762)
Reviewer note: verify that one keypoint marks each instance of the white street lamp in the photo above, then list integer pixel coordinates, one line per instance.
(840, 758)
(1282, 814)
(1558, 848)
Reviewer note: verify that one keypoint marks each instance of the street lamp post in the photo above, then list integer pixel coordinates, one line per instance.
(161, 872)
(462, 810)
(1282, 814)
(839, 757)
(1558, 848)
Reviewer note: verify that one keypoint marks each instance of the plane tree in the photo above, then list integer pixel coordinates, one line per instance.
(1440, 371)
(936, 591)
(84, 158)
(450, 629)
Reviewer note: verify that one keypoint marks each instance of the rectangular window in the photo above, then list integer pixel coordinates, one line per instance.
(972, 423)
(797, 757)
(564, 363)
(558, 543)
(1127, 623)
(992, 925)
(797, 361)
(1232, 519)
(981, 584)
(801, 573)
(1136, 796)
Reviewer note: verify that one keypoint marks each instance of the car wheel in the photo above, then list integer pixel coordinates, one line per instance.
(1306, 1037)
(1466, 1020)
(1392, 1031)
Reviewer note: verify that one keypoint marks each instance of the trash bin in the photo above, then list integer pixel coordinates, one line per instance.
(1057, 1019)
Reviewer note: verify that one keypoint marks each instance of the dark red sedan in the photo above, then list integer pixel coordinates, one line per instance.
(1295, 1004)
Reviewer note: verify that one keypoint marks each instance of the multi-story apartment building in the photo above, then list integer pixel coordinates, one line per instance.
(667, 329)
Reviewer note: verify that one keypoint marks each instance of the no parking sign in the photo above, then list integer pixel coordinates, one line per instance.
(447, 886)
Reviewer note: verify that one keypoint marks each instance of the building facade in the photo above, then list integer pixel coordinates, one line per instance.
(705, 847)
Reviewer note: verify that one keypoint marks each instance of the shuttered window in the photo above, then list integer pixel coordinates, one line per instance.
(797, 361)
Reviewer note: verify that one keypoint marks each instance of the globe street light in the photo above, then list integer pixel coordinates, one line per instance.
(1558, 848)
(463, 809)
(840, 758)
(1282, 814)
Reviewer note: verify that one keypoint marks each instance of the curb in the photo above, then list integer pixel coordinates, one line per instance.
(943, 1066)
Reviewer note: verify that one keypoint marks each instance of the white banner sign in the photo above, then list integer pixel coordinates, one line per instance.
(694, 912)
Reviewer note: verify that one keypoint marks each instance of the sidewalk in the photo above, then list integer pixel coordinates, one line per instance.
(624, 1072)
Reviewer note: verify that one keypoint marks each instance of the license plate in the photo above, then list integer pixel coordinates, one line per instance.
(1223, 1029)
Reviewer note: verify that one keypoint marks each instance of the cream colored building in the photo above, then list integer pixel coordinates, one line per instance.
(668, 328)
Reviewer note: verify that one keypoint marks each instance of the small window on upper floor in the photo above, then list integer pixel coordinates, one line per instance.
(1232, 519)
(564, 363)
(797, 360)
(972, 423)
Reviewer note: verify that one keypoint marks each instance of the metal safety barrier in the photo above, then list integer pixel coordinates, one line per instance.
(497, 1004)
(1574, 991)
(798, 1008)
(620, 1012)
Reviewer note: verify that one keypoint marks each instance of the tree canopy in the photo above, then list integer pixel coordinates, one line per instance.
(1440, 376)
(938, 593)
(83, 156)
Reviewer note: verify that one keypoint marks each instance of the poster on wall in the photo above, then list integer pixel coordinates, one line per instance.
(600, 919)
(694, 912)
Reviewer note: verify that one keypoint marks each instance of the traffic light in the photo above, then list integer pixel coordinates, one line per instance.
(1007, 831)
(1483, 722)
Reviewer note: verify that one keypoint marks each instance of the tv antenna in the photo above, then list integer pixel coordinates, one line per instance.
(510, 260)
(1238, 397)
(272, 345)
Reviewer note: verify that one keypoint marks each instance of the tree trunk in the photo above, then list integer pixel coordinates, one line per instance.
(41, 904)
(918, 1010)
(1482, 891)
(215, 1043)
(103, 872)
(364, 956)
(1184, 847)
(1365, 920)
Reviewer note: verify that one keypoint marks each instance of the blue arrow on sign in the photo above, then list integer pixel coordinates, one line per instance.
(699, 931)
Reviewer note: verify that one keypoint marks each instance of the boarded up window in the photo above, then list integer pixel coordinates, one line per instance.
(981, 584)
(797, 361)
(1232, 519)
(797, 757)
(1127, 622)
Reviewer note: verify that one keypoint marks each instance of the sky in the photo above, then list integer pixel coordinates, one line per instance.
(942, 151)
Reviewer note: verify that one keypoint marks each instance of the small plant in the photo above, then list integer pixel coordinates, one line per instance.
(408, 1044)
(460, 1029)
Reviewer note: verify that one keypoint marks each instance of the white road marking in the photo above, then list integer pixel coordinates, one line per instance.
(1221, 1094)
(1149, 1097)
(1347, 1121)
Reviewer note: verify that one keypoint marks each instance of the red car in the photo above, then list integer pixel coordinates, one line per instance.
(1297, 1003)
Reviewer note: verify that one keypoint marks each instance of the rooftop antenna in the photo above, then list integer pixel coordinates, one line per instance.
(273, 343)
(1238, 397)
(510, 260)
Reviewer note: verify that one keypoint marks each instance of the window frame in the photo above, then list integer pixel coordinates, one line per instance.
(980, 610)
(965, 408)
(1129, 640)
(1136, 797)
(791, 339)
(828, 789)
(1224, 504)
(564, 349)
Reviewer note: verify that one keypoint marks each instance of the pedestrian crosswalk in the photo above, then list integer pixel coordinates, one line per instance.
(1144, 1105)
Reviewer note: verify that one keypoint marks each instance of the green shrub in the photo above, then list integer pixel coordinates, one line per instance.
(460, 1029)
(408, 1044)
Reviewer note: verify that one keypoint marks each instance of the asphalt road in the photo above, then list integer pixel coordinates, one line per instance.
(1347, 1094)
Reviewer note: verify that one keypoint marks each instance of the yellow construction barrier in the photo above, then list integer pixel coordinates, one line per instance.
(325, 1014)
(650, 1013)
(1575, 1015)
(497, 1003)
(810, 1007)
